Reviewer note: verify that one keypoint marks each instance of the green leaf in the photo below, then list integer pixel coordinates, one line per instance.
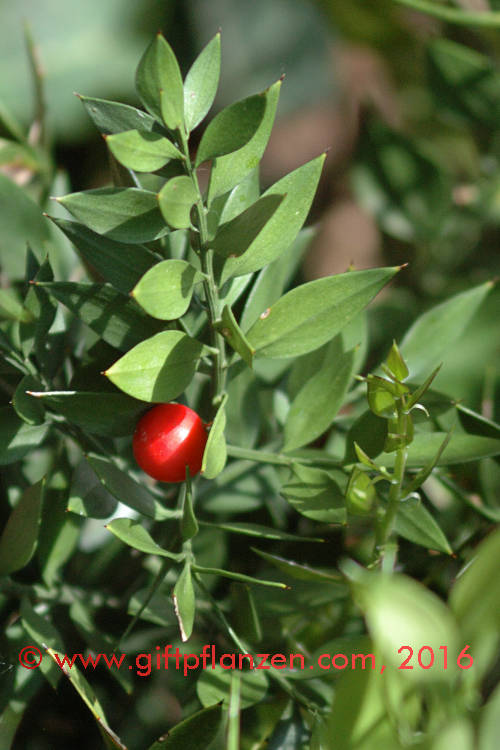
(127, 490)
(215, 455)
(42, 631)
(316, 494)
(88, 496)
(396, 363)
(476, 423)
(235, 337)
(274, 278)
(238, 577)
(30, 410)
(11, 308)
(475, 597)
(360, 493)
(112, 414)
(158, 369)
(34, 334)
(123, 214)
(142, 151)
(320, 398)
(298, 570)
(258, 530)
(313, 313)
(159, 83)
(112, 117)
(281, 225)
(189, 522)
(489, 728)
(439, 329)
(20, 535)
(165, 290)
(228, 206)
(232, 128)
(414, 522)
(135, 535)
(116, 318)
(16, 437)
(460, 449)
(176, 198)
(122, 265)
(235, 237)
(401, 612)
(245, 614)
(487, 19)
(184, 602)
(200, 85)
(214, 685)
(194, 733)
(228, 171)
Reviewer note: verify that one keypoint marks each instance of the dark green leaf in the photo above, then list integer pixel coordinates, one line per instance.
(281, 224)
(235, 336)
(142, 152)
(214, 685)
(42, 631)
(228, 171)
(200, 85)
(116, 318)
(158, 369)
(298, 570)
(122, 265)
(235, 237)
(461, 448)
(159, 83)
(16, 437)
(414, 522)
(184, 602)
(194, 733)
(112, 117)
(189, 523)
(123, 214)
(165, 291)
(316, 494)
(20, 535)
(88, 496)
(30, 410)
(313, 313)
(476, 423)
(176, 198)
(232, 128)
(135, 535)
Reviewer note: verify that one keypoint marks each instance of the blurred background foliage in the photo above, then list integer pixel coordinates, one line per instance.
(409, 108)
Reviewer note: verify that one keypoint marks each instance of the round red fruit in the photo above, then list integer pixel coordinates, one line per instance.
(168, 438)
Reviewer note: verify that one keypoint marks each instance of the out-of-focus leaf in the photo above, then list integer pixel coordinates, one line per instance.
(489, 729)
(158, 369)
(313, 313)
(123, 214)
(194, 733)
(16, 437)
(20, 535)
(200, 85)
(165, 290)
(214, 685)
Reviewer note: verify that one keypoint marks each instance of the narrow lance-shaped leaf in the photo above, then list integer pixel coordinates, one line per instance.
(236, 236)
(184, 602)
(126, 215)
(311, 314)
(215, 455)
(113, 117)
(414, 522)
(232, 128)
(461, 448)
(135, 535)
(165, 291)
(201, 83)
(189, 522)
(142, 152)
(235, 336)
(196, 732)
(159, 83)
(16, 437)
(228, 171)
(158, 369)
(20, 535)
(281, 227)
(176, 199)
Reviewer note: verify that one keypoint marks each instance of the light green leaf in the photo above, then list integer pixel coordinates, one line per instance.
(313, 313)
(165, 290)
(189, 522)
(487, 19)
(414, 522)
(316, 494)
(135, 535)
(12, 308)
(112, 414)
(489, 728)
(235, 237)
(122, 265)
(158, 369)
(127, 490)
(194, 733)
(113, 117)
(176, 198)
(239, 199)
(215, 455)
(16, 437)
(159, 83)
(439, 329)
(318, 401)
(281, 229)
(112, 315)
(232, 128)
(126, 215)
(142, 151)
(200, 85)
(461, 448)
(214, 685)
(235, 336)
(184, 602)
(20, 535)
(228, 171)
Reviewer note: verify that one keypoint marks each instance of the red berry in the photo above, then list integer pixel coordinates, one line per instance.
(168, 438)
